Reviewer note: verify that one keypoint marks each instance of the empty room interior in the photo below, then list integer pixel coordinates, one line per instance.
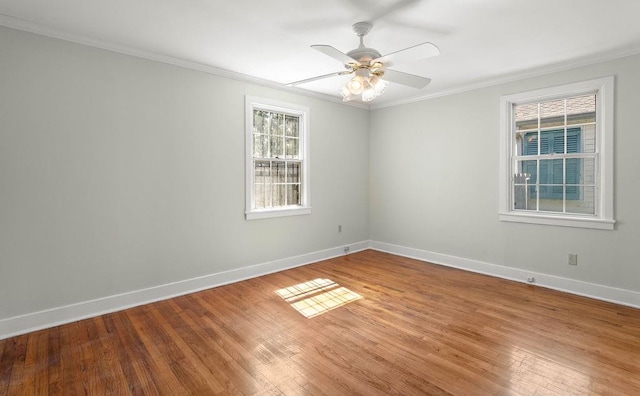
(372, 197)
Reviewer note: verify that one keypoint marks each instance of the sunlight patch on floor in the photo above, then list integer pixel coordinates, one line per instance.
(317, 296)
(300, 290)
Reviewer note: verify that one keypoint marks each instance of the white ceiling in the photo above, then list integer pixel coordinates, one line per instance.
(481, 41)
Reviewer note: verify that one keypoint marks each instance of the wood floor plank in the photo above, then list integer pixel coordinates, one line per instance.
(17, 351)
(7, 358)
(418, 329)
(112, 378)
(144, 376)
(53, 360)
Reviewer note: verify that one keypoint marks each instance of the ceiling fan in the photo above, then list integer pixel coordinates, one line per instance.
(371, 69)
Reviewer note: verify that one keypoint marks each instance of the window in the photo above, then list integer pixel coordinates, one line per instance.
(277, 163)
(557, 156)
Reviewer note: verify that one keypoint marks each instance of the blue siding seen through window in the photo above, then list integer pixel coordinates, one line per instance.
(551, 170)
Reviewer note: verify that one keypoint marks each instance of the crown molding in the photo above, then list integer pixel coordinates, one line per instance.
(525, 74)
(32, 27)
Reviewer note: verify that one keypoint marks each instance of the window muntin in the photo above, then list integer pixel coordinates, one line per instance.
(557, 155)
(277, 163)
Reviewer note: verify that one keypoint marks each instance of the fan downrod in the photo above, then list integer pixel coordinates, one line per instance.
(363, 54)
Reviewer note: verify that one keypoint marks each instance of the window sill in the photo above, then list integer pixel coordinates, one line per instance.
(268, 213)
(563, 221)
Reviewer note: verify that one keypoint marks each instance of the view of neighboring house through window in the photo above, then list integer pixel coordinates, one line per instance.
(555, 155)
(556, 148)
(277, 174)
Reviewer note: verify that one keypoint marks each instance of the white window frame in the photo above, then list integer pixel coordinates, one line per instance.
(604, 217)
(252, 103)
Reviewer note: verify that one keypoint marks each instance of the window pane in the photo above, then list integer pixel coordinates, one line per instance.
(585, 204)
(262, 171)
(277, 124)
(552, 113)
(526, 116)
(260, 146)
(278, 169)
(556, 141)
(521, 197)
(293, 151)
(291, 126)
(581, 109)
(260, 121)
(262, 185)
(293, 172)
(267, 195)
(530, 143)
(524, 190)
(573, 171)
(277, 144)
(546, 143)
(551, 171)
(574, 140)
(550, 205)
(589, 139)
(259, 196)
(293, 194)
(588, 167)
(278, 195)
(528, 171)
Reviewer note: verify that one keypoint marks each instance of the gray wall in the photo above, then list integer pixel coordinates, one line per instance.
(119, 173)
(434, 184)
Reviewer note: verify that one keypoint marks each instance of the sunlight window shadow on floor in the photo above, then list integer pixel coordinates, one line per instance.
(317, 296)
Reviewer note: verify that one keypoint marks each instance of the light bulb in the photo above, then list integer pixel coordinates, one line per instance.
(379, 84)
(369, 94)
(346, 95)
(356, 85)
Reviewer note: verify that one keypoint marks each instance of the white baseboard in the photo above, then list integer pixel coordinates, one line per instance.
(26, 323)
(592, 290)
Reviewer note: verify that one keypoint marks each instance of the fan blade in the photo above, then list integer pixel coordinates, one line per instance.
(335, 54)
(410, 80)
(414, 53)
(308, 80)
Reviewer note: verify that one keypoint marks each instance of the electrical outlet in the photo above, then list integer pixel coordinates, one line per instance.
(531, 279)
(573, 259)
(340, 228)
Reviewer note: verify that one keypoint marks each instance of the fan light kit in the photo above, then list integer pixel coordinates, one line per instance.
(370, 69)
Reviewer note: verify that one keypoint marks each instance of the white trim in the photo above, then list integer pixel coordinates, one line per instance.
(592, 290)
(26, 323)
(252, 102)
(604, 219)
(31, 27)
(265, 214)
(565, 221)
(518, 76)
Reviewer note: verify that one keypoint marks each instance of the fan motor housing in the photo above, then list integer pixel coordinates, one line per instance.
(363, 54)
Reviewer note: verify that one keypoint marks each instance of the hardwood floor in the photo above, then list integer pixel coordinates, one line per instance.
(417, 329)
